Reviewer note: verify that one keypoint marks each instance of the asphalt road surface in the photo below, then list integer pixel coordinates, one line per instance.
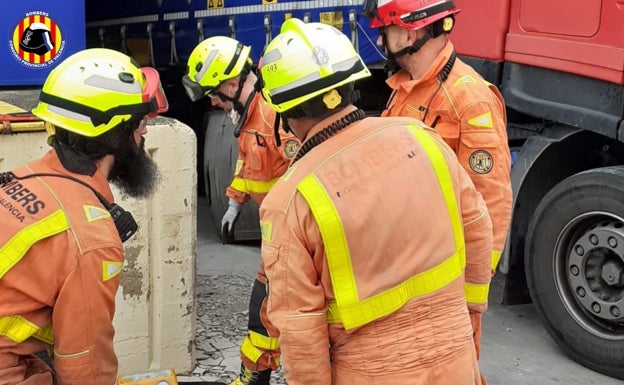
(516, 349)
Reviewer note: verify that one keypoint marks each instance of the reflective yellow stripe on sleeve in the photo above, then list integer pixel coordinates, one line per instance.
(476, 293)
(252, 186)
(15, 249)
(18, 329)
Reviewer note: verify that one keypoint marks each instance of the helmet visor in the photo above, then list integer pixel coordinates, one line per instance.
(153, 92)
(193, 89)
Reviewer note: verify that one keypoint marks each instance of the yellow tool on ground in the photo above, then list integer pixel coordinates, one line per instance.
(160, 377)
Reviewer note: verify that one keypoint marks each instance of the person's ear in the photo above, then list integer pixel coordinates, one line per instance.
(412, 35)
(232, 84)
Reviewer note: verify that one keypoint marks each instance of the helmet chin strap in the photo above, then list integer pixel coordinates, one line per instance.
(393, 65)
(236, 104)
(243, 114)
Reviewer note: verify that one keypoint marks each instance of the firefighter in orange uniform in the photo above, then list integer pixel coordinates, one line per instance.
(61, 250)
(366, 236)
(436, 87)
(220, 68)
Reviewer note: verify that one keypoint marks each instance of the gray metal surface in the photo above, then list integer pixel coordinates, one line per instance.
(220, 155)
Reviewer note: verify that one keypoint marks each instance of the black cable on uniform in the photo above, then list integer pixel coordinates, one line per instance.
(243, 116)
(6, 177)
(442, 76)
(276, 124)
(124, 222)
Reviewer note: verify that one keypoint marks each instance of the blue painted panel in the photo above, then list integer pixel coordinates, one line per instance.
(36, 36)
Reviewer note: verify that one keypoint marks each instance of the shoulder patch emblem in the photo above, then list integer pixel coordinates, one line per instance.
(483, 120)
(94, 213)
(110, 269)
(464, 79)
(291, 147)
(481, 162)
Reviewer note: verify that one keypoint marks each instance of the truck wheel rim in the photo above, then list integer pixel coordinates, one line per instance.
(589, 273)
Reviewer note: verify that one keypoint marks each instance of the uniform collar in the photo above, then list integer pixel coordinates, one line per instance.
(329, 120)
(98, 181)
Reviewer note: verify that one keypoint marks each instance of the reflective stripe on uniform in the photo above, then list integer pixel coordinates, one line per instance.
(15, 249)
(18, 329)
(475, 293)
(45, 335)
(496, 256)
(253, 353)
(252, 186)
(446, 185)
(334, 239)
(348, 309)
(393, 299)
(250, 351)
(263, 342)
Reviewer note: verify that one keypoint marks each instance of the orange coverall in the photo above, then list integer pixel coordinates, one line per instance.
(364, 258)
(60, 259)
(471, 118)
(260, 164)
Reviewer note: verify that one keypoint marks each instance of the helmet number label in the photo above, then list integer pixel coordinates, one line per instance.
(271, 68)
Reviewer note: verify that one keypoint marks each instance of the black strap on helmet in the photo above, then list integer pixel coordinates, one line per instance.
(237, 105)
(99, 117)
(428, 12)
(431, 31)
(243, 117)
(237, 53)
(418, 44)
(319, 84)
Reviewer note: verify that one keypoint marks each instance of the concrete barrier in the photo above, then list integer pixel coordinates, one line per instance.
(155, 315)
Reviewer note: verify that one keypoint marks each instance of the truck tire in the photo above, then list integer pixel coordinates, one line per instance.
(220, 155)
(574, 263)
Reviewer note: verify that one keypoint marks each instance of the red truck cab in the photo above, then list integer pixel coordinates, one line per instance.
(584, 37)
(560, 67)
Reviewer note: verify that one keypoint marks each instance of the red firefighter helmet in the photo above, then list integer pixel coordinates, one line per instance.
(408, 14)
